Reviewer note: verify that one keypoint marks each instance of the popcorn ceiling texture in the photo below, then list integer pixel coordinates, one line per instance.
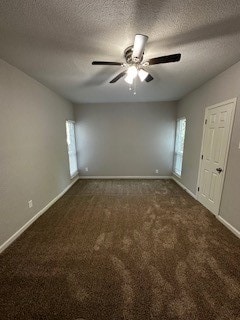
(55, 42)
(123, 250)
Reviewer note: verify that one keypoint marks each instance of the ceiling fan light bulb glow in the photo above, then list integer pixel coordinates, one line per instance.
(142, 74)
(132, 71)
(129, 79)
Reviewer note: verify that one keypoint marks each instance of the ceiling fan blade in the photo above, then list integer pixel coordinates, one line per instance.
(106, 63)
(119, 76)
(139, 46)
(149, 78)
(165, 59)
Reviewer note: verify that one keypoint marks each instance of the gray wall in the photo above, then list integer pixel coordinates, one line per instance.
(128, 139)
(223, 87)
(33, 152)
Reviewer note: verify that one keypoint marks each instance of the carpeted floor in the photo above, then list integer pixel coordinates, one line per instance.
(123, 249)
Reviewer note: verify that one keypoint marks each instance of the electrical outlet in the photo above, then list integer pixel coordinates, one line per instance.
(86, 169)
(30, 204)
(156, 171)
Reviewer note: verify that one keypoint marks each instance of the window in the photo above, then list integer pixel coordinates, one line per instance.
(72, 153)
(179, 146)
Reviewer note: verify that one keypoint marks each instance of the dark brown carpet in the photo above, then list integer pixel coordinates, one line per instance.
(123, 249)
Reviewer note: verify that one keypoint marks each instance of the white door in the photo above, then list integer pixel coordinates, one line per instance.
(215, 145)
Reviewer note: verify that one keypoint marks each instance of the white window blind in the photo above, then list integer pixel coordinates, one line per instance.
(179, 146)
(72, 153)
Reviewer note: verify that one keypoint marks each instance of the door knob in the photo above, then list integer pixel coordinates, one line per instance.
(219, 170)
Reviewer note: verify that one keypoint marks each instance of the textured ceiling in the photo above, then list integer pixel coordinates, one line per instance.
(55, 42)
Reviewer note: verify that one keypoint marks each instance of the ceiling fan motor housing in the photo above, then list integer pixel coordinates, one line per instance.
(128, 56)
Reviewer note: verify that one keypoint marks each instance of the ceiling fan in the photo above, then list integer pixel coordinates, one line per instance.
(135, 65)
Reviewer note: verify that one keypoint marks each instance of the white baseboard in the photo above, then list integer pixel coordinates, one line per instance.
(222, 220)
(125, 177)
(229, 226)
(26, 225)
(184, 188)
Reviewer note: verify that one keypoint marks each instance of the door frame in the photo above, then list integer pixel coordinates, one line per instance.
(234, 101)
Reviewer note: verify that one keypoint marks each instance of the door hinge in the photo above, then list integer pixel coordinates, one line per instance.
(205, 121)
(198, 189)
(202, 156)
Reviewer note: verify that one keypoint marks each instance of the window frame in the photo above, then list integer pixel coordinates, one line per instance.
(72, 176)
(177, 153)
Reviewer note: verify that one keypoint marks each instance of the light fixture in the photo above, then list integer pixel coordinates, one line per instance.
(142, 74)
(132, 71)
(131, 74)
(129, 79)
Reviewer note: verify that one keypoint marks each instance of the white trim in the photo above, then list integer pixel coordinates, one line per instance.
(234, 101)
(229, 226)
(221, 219)
(181, 118)
(26, 225)
(176, 153)
(74, 176)
(177, 175)
(125, 177)
(184, 188)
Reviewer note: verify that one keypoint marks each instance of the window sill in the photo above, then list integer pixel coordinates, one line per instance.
(177, 175)
(73, 176)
